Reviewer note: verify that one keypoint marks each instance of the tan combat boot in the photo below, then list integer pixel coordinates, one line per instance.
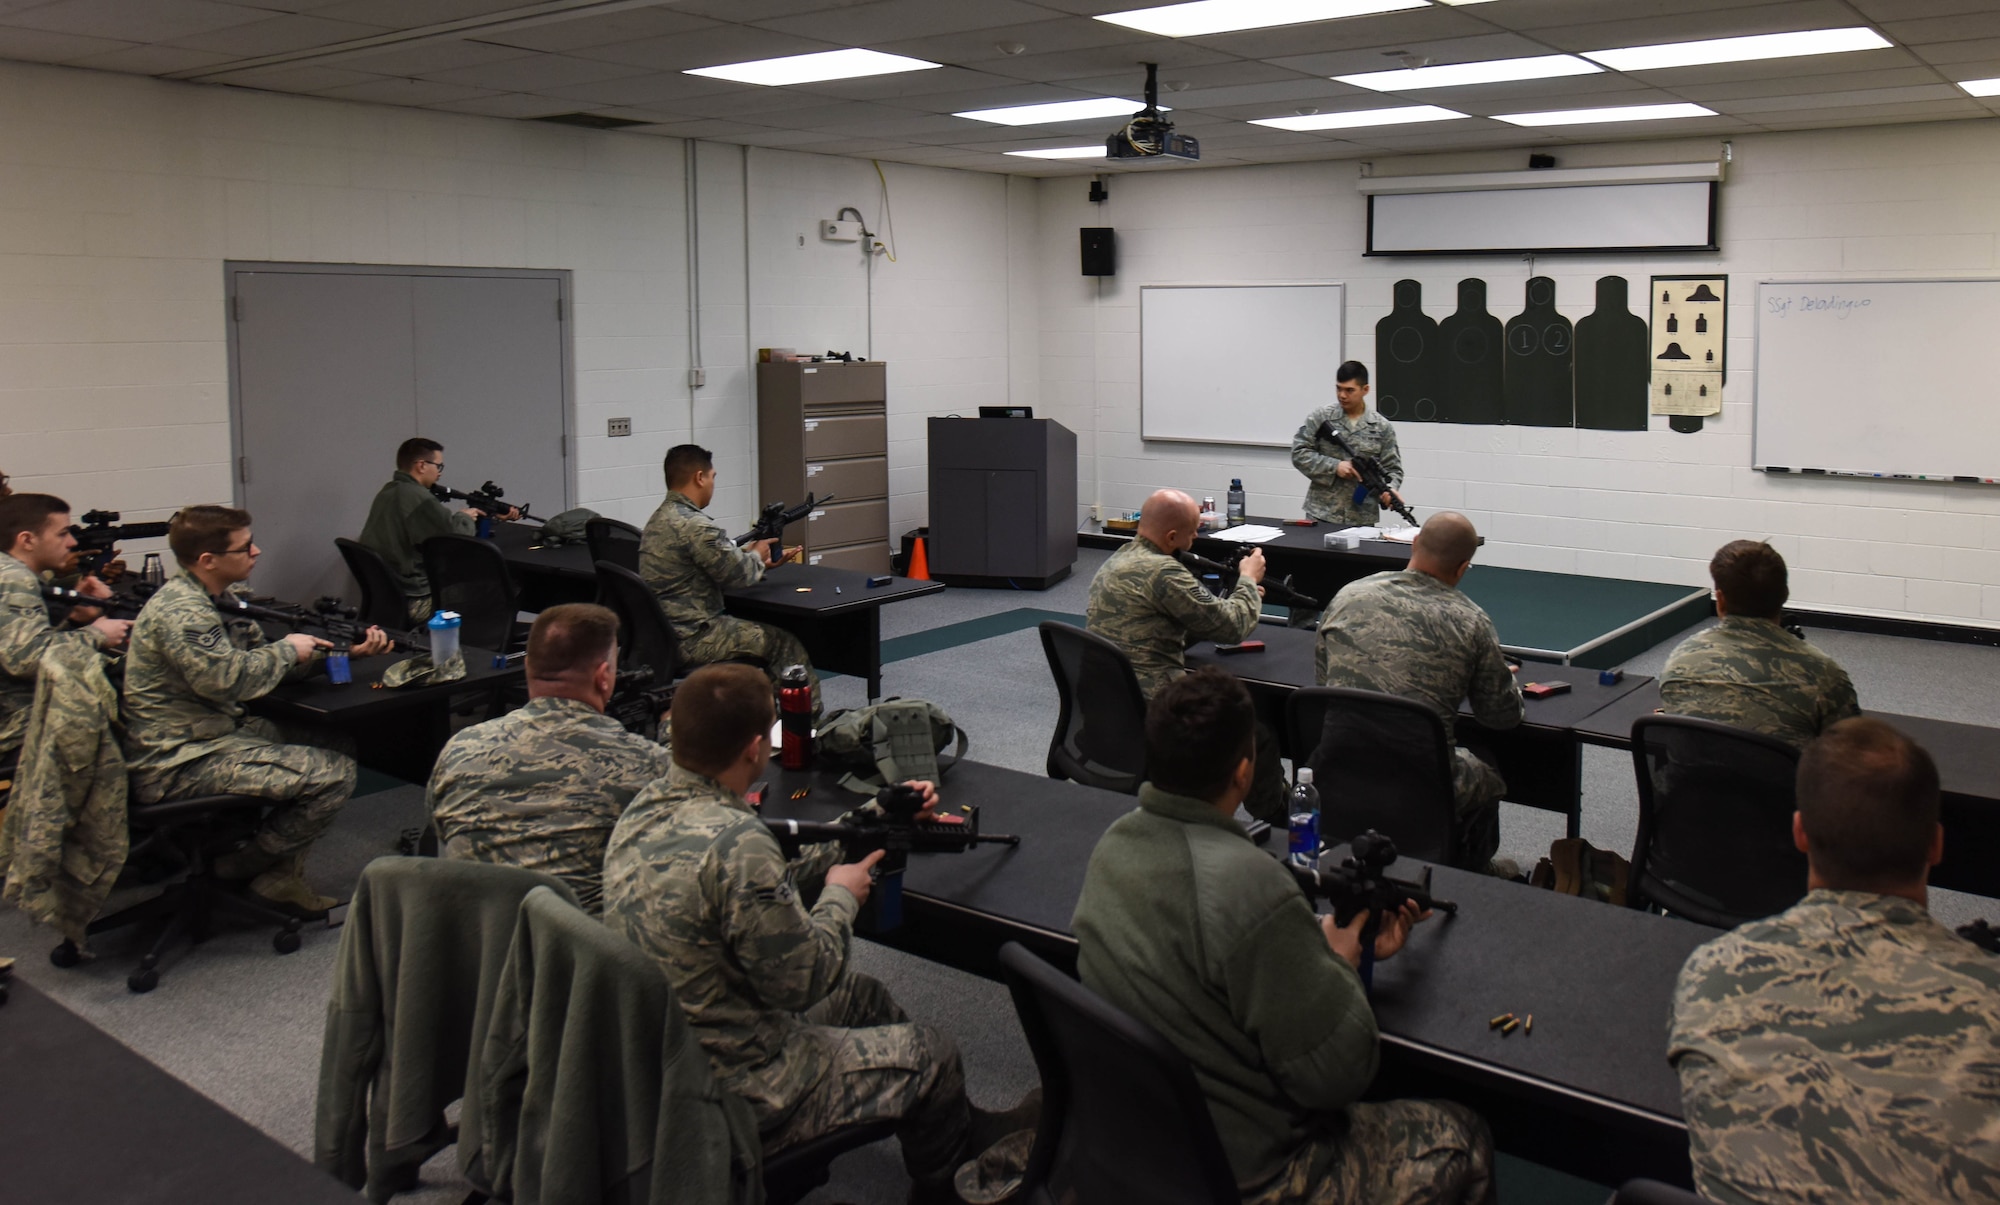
(246, 862)
(284, 886)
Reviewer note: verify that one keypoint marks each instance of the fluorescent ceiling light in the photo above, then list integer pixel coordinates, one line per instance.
(1578, 117)
(811, 68)
(1360, 117)
(1453, 75)
(1064, 152)
(1062, 110)
(1222, 16)
(1981, 87)
(1739, 50)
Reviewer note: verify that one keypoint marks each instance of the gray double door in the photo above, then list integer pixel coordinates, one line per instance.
(333, 366)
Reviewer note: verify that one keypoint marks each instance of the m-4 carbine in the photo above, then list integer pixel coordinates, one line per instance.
(896, 830)
(1278, 590)
(486, 498)
(327, 617)
(118, 606)
(637, 701)
(98, 535)
(1373, 480)
(1361, 883)
(772, 520)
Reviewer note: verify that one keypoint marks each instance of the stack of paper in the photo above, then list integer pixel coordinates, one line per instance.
(1402, 535)
(1249, 533)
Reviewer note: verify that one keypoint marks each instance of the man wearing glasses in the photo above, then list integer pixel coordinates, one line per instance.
(405, 513)
(187, 676)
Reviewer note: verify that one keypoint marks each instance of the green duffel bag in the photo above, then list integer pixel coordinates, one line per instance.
(896, 740)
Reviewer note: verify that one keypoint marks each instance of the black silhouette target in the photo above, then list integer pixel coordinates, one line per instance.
(1538, 388)
(1472, 373)
(1406, 358)
(1613, 362)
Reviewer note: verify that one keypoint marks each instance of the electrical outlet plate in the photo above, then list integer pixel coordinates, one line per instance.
(840, 232)
(618, 426)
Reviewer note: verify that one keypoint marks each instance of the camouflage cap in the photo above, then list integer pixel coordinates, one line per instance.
(419, 670)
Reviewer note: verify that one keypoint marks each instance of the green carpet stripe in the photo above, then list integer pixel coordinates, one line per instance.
(952, 635)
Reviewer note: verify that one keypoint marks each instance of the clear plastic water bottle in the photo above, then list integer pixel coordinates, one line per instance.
(1304, 809)
(443, 629)
(1236, 503)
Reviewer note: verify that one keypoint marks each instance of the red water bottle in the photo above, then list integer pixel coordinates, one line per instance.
(795, 718)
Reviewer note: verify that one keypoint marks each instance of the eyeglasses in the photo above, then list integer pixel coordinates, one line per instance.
(246, 549)
(436, 464)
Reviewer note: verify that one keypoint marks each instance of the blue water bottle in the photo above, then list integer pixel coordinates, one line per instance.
(1304, 811)
(443, 631)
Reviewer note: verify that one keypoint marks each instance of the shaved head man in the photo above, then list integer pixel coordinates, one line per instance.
(1415, 635)
(1149, 604)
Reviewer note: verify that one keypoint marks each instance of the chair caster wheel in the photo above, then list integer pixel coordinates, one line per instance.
(66, 955)
(143, 980)
(286, 941)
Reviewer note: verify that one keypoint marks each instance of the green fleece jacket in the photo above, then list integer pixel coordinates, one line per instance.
(419, 964)
(1189, 927)
(404, 515)
(596, 1089)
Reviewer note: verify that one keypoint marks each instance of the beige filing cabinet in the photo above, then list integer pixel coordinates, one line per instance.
(824, 429)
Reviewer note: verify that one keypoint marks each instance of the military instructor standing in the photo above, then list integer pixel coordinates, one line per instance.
(1330, 496)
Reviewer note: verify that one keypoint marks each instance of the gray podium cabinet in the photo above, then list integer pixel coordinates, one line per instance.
(1002, 501)
(823, 428)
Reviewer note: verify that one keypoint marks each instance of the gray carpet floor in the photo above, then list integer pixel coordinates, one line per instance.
(243, 1025)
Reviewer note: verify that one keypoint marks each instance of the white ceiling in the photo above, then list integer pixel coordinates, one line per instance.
(625, 58)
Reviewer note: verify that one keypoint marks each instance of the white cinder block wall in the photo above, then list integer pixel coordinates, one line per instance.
(1885, 201)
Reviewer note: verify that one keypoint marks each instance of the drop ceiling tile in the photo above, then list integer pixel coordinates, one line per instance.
(1383, 29)
(1752, 106)
(1944, 29)
(1901, 77)
(1914, 10)
(574, 32)
(41, 46)
(403, 14)
(668, 88)
(798, 139)
(1804, 68)
(291, 78)
(277, 35)
(886, 20)
(424, 57)
(1124, 62)
(1805, 119)
(711, 47)
(413, 92)
(511, 104)
(1547, 14)
(977, 46)
(535, 73)
(1092, 8)
(152, 60)
(1356, 59)
(748, 103)
(1215, 75)
(702, 129)
(1951, 55)
(149, 21)
(1003, 94)
(1734, 21)
(757, 10)
(899, 87)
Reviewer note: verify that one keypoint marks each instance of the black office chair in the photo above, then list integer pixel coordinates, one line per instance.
(795, 1171)
(381, 594)
(470, 576)
(645, 638)
(610, 540)
(1715, 821)
(1122, 1116)
(1379, 761)
(1100, 737)
(187, 833)
(1652, 1192)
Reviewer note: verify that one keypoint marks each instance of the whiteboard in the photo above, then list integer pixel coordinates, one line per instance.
(1236, 364)
(1678, 216)
(1878, 378)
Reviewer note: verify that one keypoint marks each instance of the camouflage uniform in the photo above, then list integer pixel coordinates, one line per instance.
(187, 674)
(687, 559)
(1409, 634)
(26, 633)
(540, 788)
(1847, 1049)
(695, 879)
(1149, 604)
(402, 516)
(1752, 673)
(1329, 497)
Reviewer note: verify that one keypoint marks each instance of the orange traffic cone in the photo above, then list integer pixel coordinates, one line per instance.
(920, 565)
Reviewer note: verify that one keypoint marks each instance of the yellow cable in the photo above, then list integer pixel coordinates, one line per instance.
(888, 217)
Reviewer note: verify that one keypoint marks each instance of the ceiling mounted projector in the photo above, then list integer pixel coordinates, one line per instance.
(1149, 135)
